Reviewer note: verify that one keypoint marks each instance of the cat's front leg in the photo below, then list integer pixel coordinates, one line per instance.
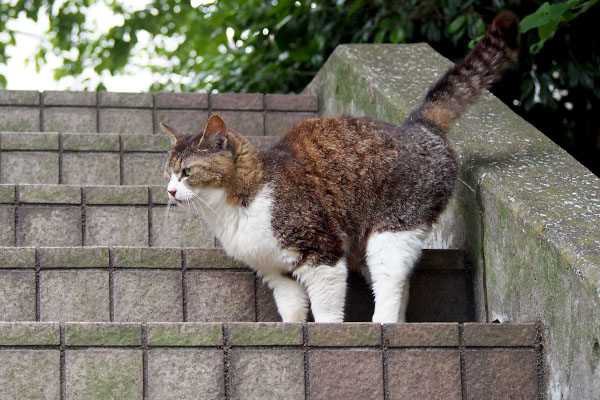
(290, 297)
(326, 287)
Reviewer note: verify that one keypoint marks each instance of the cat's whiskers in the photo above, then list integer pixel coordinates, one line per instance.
(169, 204)
(193, 203)
(197, 196)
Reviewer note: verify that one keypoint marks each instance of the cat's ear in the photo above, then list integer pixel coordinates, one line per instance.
(167, 129)
(215, 130)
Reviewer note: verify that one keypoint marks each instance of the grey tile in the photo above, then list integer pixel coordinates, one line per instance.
(74, 295)
(220, 296)
(508, 374)
(70, 119)
(73, 257)
(50, 194)
(181, 100)
(104, 374)
(19, 119)
(292, 102)
(103, 334)
(151, 143)
(7, 226)
(188, 122)
(29, 141)
(148, 296)
(30, 374)
(17, 295)
(180, 227)
(49, 226)
(91, 169)
(144, 168)
(237, 101)
(20, 97)
(69, 98)
(17, 257)
(29, 333)
(280, 373)
(248, 123)
(334, 374)
(116, 226)
(30, 167)
(127, 100)
(90, 142)
(408, 370)
(185, 334)
(278, 123)
(185, 374)
(117, 120)
(116, 194)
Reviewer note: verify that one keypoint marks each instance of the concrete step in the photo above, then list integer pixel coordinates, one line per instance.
(88, 159)
(70, 215)
(269, 361)
(189, 284)
(140, 113)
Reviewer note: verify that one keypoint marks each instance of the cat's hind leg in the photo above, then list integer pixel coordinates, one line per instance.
(391, 257)
(326, 287)
(290, 297)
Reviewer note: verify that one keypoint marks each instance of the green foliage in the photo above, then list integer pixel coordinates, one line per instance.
(279, 45)
(547, 18)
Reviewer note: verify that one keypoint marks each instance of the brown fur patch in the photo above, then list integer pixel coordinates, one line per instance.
(440, 114)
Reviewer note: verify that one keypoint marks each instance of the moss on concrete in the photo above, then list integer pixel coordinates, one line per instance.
(29, 141)
(106, 334)
(7, 194)
(23, 257)
(29, 333)
(265, 333)
(147, 257)
(73, 257)
(185, 334)
(52, 194)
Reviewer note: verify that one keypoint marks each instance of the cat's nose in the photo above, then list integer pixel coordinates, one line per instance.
(172, 192)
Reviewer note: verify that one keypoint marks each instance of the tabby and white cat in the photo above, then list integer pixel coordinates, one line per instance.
(336, 188)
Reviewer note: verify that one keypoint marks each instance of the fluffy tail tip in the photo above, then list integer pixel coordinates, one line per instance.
(507, 25)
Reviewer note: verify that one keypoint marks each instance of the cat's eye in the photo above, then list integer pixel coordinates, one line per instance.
(188, 171)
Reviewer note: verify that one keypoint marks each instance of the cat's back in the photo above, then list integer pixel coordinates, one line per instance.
(348, 165)
(324, 146)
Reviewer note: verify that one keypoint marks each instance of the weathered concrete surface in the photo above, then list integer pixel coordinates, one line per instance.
(527, 213)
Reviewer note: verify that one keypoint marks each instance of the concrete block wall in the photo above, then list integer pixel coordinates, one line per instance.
(268, 361)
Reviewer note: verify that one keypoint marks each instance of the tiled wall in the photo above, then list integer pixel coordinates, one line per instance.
(87, 159)
(65, 215)
(269, 361)
(140, 113)
(186, 284)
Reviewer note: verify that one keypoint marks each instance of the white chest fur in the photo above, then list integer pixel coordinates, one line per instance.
(246, 232)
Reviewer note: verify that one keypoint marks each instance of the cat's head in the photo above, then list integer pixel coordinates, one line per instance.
(200, 161)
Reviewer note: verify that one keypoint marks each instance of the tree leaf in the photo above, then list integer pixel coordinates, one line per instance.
(457, 24)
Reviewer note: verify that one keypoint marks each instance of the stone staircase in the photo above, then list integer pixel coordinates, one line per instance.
(100, 297)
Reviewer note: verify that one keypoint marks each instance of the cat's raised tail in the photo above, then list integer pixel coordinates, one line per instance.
(462, 84)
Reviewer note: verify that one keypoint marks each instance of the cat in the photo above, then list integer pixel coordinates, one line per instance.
(335, 189)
